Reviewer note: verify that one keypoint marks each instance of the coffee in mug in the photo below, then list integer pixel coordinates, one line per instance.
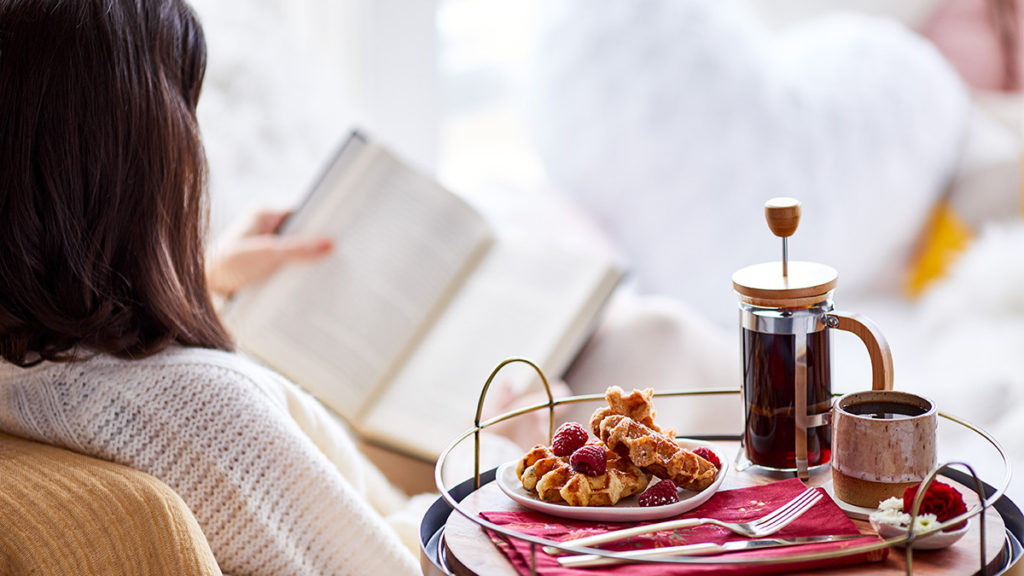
(882, 442)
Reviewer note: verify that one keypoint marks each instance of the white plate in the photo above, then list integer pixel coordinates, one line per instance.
(627, 510)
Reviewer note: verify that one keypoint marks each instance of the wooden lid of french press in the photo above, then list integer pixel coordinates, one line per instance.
(785, 283)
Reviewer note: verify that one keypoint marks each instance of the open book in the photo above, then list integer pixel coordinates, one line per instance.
(399, 327)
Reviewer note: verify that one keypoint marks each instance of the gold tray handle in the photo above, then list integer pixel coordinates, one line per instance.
(480, 410)
(919, 498)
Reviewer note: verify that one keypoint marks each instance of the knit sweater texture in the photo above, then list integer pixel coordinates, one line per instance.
(273, 478)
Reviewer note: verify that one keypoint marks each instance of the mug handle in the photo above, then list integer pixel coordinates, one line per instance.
(878, 347)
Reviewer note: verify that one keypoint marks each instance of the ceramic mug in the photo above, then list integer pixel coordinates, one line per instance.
(882, 442)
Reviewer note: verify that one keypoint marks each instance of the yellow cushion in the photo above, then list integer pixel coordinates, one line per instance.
(62, 513)
(945, 237)
(987, 187)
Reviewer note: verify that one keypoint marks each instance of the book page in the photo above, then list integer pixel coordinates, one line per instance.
(340, 327)
(524, 299)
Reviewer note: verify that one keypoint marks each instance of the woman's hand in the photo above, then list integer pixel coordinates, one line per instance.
(251, 252)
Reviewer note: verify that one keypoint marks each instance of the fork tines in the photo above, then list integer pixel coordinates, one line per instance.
(786, 513)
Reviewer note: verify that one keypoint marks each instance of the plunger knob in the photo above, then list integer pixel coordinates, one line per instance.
(783, 216)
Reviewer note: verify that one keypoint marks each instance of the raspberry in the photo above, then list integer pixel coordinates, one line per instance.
(568, 438)
(590, 460)
(664, 492)
(708, 455)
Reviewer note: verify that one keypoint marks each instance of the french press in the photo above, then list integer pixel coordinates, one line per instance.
(786, 312)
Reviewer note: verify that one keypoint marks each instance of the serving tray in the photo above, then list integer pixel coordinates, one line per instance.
(466, 549)
(456, 543)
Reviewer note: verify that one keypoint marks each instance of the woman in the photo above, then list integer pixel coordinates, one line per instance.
(109, 341)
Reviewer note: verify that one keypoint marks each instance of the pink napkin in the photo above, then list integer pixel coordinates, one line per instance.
(741, 505)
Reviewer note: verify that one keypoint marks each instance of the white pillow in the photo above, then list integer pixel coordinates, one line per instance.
(672, 121)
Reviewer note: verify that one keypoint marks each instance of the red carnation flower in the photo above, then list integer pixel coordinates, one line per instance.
(941, 499)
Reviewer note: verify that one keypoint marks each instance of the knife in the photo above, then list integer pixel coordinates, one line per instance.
(703, 549)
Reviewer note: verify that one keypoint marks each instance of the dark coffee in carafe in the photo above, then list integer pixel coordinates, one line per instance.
(769, 396)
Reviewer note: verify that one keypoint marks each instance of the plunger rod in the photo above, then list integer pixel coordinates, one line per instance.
(785, 257)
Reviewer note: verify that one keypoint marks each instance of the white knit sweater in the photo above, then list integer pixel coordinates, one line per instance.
(273, 478)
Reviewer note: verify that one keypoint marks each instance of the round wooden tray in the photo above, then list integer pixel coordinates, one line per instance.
(469, 552)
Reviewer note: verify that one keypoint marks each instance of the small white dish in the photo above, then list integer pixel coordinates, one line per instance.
(930, 541)
(627, 510)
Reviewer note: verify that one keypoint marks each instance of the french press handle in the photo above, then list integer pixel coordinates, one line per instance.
(871, 336)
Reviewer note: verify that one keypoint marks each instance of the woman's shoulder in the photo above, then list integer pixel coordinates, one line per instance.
(203, 368)
(177, 371)
(182, 358)
(76, 403)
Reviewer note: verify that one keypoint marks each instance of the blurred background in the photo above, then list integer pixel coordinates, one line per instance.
(658, 128)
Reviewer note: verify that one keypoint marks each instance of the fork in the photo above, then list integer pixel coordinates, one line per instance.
(759, 528)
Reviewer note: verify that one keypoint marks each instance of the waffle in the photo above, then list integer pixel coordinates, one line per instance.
(655, 453)
(638, 405)
(553, 479)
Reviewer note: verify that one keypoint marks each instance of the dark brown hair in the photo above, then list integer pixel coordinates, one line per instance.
(103, 208)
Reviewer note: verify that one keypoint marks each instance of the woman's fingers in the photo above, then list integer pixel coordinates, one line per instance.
(264, 222)
(294, 248)
(241, 262)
